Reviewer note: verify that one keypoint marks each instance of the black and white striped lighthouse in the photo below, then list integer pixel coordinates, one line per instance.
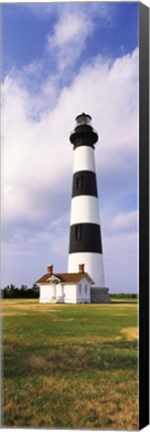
(85, 230)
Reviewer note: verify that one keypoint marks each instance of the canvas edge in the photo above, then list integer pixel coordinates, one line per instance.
(144, 216)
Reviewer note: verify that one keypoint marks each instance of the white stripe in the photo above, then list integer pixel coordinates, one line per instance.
(83, 159)
(84, 209)
(93, 266)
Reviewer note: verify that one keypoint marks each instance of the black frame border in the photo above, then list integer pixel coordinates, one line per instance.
(144, 216)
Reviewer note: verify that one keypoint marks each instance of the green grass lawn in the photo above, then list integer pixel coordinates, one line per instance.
(70, 366)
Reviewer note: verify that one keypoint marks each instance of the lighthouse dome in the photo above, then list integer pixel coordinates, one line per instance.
(83, 119)
(83, 134)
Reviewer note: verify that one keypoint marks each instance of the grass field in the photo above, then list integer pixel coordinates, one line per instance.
(70, 366)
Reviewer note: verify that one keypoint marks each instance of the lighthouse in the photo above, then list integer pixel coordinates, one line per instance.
(85, 245)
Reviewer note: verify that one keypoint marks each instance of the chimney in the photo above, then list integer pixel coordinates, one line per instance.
(81, 268)
(50, 269)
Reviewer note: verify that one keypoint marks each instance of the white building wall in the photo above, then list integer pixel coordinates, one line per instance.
(73, 293)
(46, 293)
(93, 266)
(70, 293)
(50, 292)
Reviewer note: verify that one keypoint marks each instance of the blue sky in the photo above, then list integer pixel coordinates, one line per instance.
(25, 30)
(61, 59)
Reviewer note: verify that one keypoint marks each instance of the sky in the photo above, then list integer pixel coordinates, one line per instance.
(58, 60)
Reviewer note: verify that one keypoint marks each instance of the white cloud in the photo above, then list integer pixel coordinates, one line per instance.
(68, 39)
(123, 68)
(70, 28)
(75, 24)
(37, 154)
(102, 10)
(123, 222)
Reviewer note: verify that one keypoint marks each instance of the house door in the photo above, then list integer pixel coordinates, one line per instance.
(54, 291)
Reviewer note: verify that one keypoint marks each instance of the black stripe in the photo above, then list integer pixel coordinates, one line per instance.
(85, 237)
(84, 183)
(84, 135)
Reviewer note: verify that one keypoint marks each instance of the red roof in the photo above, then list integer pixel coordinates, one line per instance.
(65, 277)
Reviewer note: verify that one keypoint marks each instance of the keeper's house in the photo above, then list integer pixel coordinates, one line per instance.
(65, 287)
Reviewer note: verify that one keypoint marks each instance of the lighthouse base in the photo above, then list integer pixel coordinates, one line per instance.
(100, 295)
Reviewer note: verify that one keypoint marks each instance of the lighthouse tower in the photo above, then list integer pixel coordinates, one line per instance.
(85, 230)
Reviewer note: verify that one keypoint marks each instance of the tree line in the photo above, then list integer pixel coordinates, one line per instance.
(124, 296)
(11, 291)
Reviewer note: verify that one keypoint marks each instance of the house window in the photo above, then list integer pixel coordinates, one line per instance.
(85, 289)
(80, 289)
(78, 232)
